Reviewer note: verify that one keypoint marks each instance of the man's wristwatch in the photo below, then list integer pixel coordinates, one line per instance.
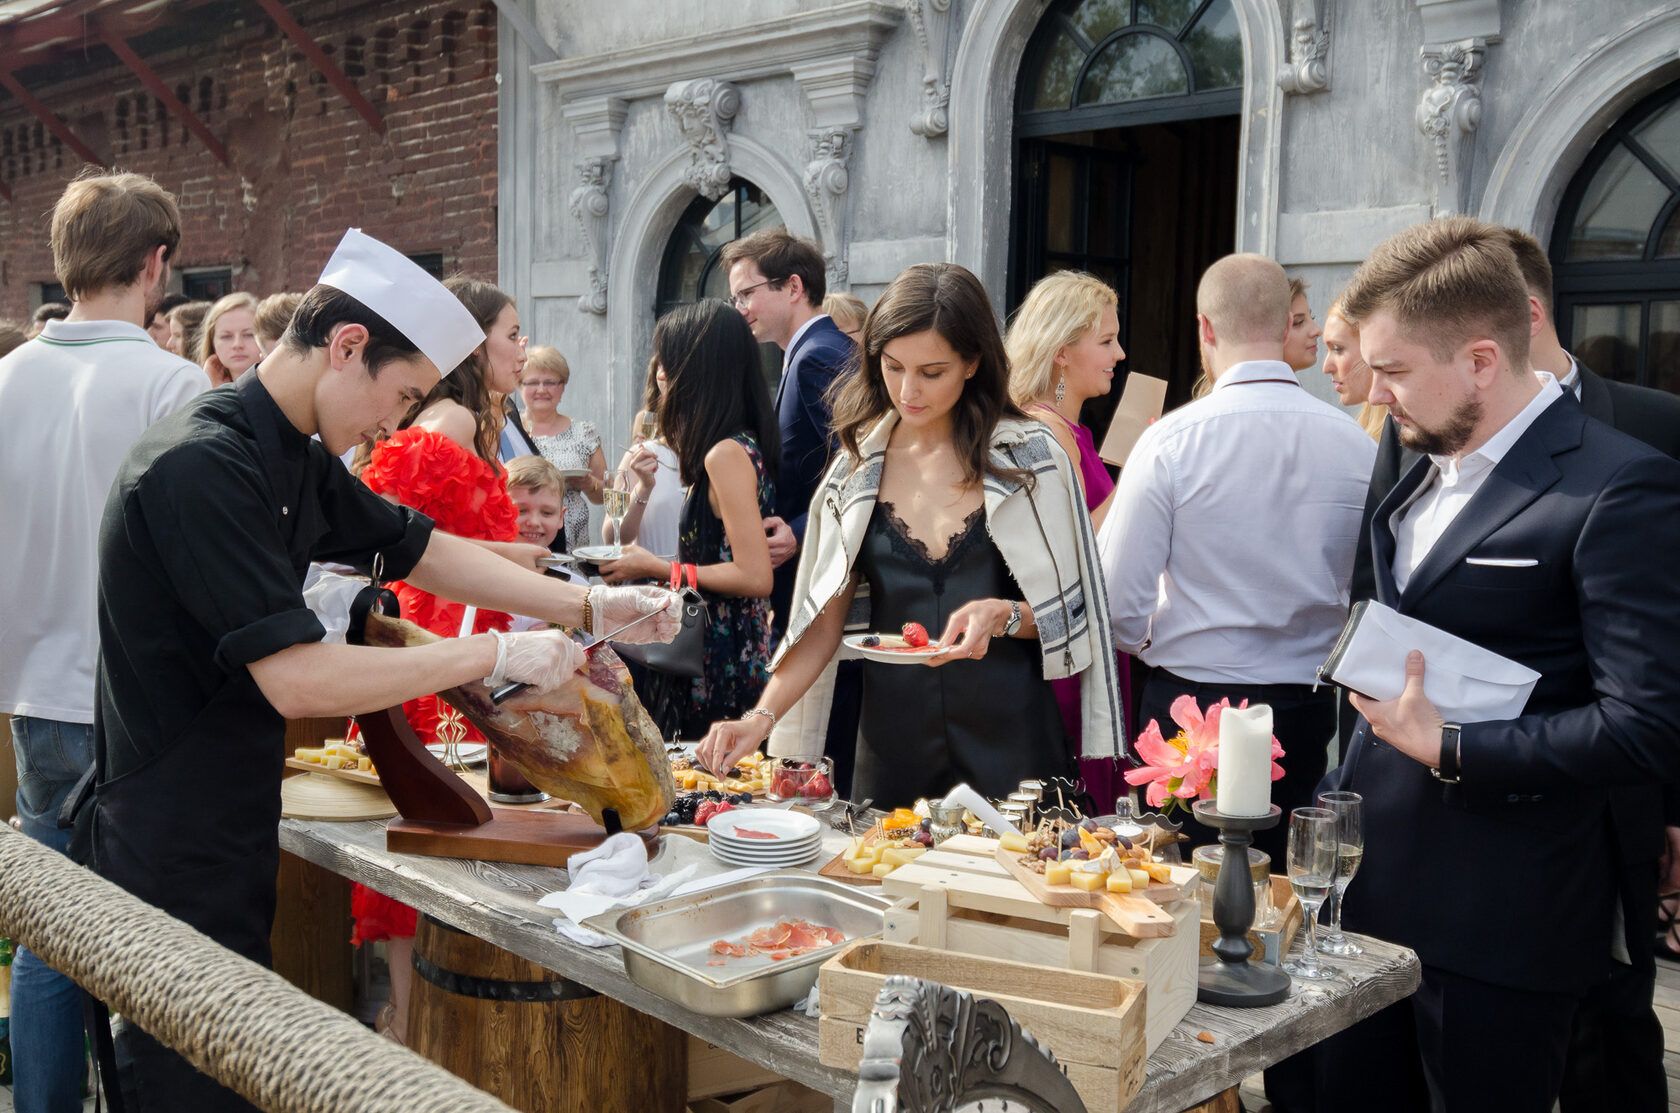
(1447, 770)
(1014, 622)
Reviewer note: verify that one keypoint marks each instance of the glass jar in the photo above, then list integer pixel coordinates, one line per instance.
(1208, 859)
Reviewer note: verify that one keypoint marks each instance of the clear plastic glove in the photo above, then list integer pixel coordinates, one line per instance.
(614, 607)
(544, 659)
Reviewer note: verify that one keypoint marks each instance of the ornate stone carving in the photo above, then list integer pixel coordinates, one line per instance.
(704, 108)
(826, 178)
(932, 22)
(597, 123)
(1449, 113)
(1308, 68)
(589, 205)
(929, 1047)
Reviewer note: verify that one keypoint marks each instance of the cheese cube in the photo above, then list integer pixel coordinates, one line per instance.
(1057, 873)
(1013, 842)
(903, 855)
(884, 868)
(859, 865)
(1120, 881)
(1086, 881)
(1140, 880)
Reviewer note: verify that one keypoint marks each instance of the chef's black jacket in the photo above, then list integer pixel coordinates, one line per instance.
(207, 534)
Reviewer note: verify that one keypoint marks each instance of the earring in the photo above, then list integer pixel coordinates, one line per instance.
(1061, 390)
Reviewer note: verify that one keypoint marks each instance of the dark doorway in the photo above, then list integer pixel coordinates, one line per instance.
(1126, 167)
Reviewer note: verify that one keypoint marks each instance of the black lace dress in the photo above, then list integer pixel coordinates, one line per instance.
(991, 722)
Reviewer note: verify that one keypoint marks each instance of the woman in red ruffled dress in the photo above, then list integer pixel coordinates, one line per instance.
(442, 461)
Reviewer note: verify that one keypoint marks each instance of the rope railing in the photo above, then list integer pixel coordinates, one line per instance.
(244, 1026)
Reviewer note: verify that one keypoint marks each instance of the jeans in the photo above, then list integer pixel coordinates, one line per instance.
(49, 1065)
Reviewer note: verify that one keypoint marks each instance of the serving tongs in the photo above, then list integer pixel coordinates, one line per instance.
(508, 691)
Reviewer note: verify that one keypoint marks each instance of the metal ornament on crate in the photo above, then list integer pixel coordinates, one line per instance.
(451, 731)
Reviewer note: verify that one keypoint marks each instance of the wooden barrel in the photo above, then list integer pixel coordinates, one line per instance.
(540, 1043)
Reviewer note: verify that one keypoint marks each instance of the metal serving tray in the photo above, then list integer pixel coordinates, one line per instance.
(666, 945)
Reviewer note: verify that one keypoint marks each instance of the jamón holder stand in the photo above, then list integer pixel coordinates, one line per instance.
(1229, 978)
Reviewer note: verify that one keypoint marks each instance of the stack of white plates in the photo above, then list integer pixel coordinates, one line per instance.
(764, 837)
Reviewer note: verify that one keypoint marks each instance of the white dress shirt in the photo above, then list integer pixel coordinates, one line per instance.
(1424, 517)
(1229, 546)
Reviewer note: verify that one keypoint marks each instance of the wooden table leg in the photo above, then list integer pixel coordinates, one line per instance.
(311, 936)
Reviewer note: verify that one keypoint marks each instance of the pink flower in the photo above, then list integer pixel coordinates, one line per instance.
(1186, 766)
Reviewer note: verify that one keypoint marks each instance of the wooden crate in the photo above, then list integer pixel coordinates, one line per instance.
(1272, 944)
(713, 1071)
(1092, 1023)
(957, 898)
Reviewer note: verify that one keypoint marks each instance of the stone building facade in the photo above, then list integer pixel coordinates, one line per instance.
(1136, 138)
(301, 163)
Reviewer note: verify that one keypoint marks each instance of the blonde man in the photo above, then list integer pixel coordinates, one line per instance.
(274, 313)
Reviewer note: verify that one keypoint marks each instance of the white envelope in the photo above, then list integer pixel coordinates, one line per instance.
(1466, 683)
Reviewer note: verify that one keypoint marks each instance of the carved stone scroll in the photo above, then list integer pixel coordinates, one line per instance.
(1308, 68)
(929, 1047)
(704, 108)
(932, 22)
(597, 123)
(826, 178)
(1449, 113)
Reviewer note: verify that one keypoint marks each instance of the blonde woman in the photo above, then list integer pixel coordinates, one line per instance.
(568, 444)
(848, 312)
(1062, 347)
(1350, 374)
(227, 344)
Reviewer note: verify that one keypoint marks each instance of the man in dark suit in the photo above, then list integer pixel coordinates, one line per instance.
(1542, 535)
(777, 281)
(1616, 1050)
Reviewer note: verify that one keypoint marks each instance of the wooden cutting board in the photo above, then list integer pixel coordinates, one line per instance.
(355, 776)
(1137, 914)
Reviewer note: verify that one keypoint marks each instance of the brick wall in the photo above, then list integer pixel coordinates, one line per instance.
(304, 165)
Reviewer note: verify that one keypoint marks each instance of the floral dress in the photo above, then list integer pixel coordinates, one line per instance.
(464, 496)
(737, 642)
(570, 451)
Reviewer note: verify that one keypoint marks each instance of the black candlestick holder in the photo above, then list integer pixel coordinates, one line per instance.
(1230, 978)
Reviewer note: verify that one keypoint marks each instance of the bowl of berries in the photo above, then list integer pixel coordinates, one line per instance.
(807, 782)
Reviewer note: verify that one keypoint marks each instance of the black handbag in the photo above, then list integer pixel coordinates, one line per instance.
(685, 654)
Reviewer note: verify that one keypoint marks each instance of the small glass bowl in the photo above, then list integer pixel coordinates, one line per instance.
(810, 783)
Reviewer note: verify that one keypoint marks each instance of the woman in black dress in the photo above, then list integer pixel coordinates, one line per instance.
(949, 508)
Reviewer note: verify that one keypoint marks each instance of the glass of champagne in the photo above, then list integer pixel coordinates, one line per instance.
(647, 426)
(1312, 874)
(1350, 849)
(615, 501)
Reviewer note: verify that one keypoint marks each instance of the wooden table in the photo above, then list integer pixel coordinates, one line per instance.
(498, 903)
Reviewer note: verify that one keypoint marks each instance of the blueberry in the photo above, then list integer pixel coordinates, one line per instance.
(714, 795)
(870, 640)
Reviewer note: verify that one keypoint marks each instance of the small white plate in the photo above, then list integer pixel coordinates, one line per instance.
(557, 560)
(471, 753)
(572, 473)
(789, 826)
(891, 651)
(742, 860)
(594, 554)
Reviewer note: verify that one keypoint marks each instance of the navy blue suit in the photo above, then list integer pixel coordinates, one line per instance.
(808, 442)
(1506, 884)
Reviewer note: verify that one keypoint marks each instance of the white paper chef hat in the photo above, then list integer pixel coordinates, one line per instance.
(416, 304)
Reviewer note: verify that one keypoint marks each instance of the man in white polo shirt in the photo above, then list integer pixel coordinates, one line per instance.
(72, 402)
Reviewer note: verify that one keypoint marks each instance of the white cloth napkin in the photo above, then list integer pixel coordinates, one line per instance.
(613, 875)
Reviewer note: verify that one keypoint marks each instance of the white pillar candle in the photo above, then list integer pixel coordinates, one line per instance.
(1245, 760)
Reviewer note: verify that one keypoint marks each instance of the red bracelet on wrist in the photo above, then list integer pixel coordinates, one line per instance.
(693, 576)
(676, 575)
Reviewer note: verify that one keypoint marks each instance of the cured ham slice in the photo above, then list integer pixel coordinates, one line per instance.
(748, 833)
(780, 941)
(589, 740)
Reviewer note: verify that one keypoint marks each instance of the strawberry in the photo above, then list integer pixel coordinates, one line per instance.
(818, 787)
(915, 634)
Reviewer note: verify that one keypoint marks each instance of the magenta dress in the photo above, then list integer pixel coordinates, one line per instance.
(1102, 777)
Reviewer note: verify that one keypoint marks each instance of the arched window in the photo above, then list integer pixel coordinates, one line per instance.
(1616, 249)
(690, 269)
(1113, 63)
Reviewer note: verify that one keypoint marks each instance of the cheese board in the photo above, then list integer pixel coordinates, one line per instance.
(1138, 915)
(357, 776)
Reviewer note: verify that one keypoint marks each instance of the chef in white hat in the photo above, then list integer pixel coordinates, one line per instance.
(207, 646)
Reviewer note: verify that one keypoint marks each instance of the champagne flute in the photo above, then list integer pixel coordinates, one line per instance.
(1312, 874)
(647, 426)
(615, 501)
(1350, 849)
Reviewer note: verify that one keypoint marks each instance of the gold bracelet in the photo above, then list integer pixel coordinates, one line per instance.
(588, 610)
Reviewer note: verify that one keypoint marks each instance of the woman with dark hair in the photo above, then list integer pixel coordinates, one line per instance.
(957, 512)
(716, 415)
(443, 462)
